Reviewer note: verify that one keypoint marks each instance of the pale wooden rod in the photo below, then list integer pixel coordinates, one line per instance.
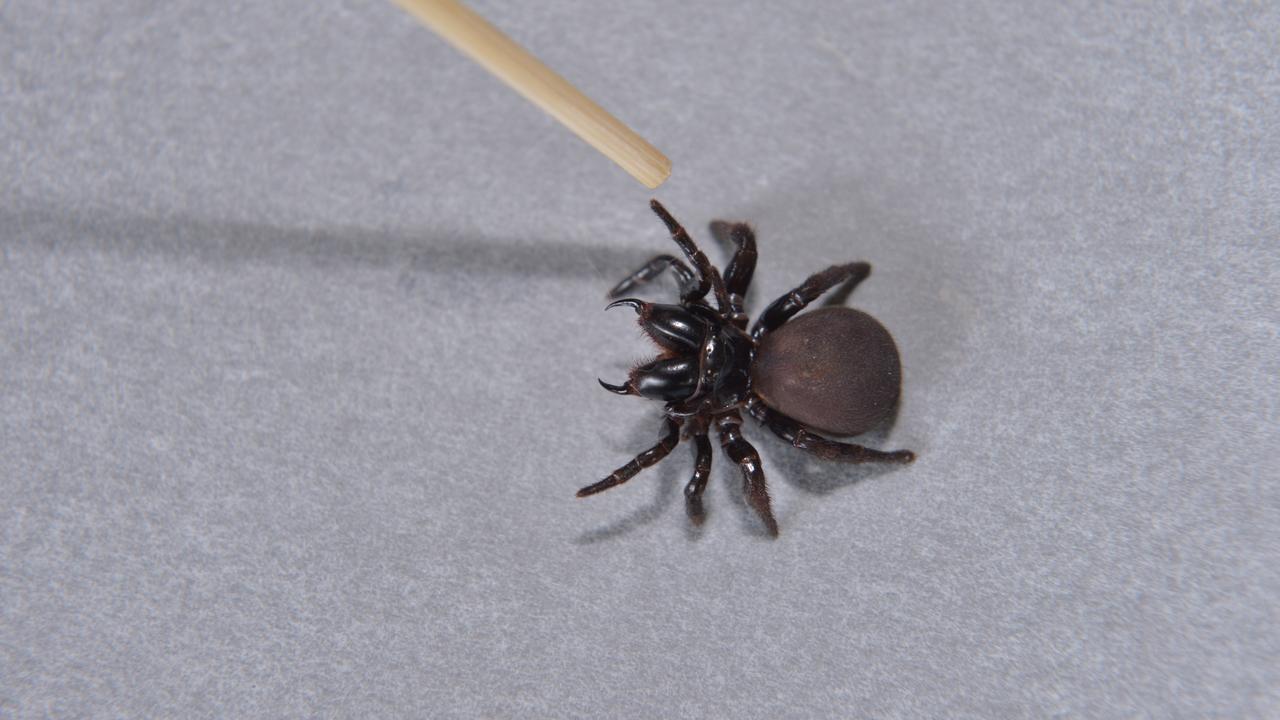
(500, 55)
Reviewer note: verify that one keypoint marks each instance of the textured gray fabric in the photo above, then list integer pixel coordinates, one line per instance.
(300, 322)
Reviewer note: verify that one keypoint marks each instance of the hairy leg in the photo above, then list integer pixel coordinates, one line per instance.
(701, 471)
(653, 269)
(795, 433)
(785, 307)
(708, 277)
(737, 276)
(649, 457)
(742, 453)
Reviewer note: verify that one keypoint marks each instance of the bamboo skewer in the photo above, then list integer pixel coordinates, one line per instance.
(525, 74)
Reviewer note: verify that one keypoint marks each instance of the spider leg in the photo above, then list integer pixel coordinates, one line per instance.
(653, 269)
(741, 452)
(785, 307)
(737, 276)
(649, 457)
(701, 471)
(796, 434)
(708, 277)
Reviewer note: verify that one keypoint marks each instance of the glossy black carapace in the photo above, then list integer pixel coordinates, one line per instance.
(833, 370)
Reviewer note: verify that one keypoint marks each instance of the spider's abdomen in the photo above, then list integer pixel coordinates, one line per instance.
(835, 369)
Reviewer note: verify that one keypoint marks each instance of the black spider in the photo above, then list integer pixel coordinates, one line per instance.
(834, 369)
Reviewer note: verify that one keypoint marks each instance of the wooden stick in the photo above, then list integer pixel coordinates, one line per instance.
(500, 55)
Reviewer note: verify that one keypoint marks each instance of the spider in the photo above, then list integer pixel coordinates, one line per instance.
(833, 370)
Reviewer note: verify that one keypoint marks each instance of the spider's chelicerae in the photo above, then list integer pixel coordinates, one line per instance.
(833, 370)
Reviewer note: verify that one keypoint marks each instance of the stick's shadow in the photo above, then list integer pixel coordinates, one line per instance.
(235, 243)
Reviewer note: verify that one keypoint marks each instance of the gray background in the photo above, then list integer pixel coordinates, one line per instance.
(302, 323)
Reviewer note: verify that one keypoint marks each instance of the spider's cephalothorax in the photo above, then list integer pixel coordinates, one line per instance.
(834, 369)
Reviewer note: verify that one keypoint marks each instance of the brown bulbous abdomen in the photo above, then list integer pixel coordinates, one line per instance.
(835, 369)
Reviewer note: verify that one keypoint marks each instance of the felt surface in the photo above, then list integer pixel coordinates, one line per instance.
(300, 326)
